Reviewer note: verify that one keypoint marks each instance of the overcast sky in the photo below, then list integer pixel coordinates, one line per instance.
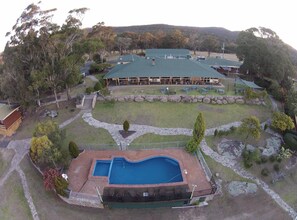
(234, 15)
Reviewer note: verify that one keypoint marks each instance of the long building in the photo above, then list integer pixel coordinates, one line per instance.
(146, 71)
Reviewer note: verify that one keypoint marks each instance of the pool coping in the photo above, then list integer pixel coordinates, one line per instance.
(106, 178)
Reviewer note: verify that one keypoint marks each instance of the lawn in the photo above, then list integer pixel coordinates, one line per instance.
(13, 204)
(159, 141)
(66, 111)
(83, 134)
(175, 114)
(6, 156)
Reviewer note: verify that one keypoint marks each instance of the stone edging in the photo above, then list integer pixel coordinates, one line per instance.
(220, 100)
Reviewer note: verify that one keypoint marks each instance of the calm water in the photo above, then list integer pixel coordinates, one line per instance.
(154, 170)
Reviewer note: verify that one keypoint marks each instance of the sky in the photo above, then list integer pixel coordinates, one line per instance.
(280, 16)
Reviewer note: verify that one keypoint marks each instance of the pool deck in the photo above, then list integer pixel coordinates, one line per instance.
(81, 168)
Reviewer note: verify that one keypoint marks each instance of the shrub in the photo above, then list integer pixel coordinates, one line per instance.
(73, 149)
(49, 177)
(264, 159)
(264, 172)
(192, 146)
(89, 90)
(97, 86)
(291, 141)
(279, 159)
(281, 121)
(216, 133)
(276, 167)
(272, 158)
(265, 127)
(256, 156)
(247, 158)
(126, 126)
(61, 185)
(233, 129)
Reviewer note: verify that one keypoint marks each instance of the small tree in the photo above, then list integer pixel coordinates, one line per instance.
(251, 127)
(73, 149)
(199, 128)
(126, 126)
(198, 134)
(39, 145)
(282, 122)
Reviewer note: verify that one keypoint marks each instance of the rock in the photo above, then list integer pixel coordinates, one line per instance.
(229, 148)
(219, 102)
(224, 101)
(236, 188)
(138, 99)
(149, 98)
(206, 100)
(164, 99)
(174, 98)
(186, 99)
(100, 99)
(194, 100)
(239, 101)
(121, 99)
(230, 100)
(272, 147)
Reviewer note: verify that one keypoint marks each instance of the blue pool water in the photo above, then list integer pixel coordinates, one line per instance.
(101, 168)
(153, 170)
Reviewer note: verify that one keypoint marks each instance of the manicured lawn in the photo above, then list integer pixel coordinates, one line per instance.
(13, 204)
(175, 114)
(82, 133)
(6, 156)
(159, 141)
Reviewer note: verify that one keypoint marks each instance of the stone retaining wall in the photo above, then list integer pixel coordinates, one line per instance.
(220, 100)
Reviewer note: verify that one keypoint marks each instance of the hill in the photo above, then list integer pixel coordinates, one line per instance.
(220, 32)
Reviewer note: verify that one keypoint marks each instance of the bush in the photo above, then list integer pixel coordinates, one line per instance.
(89, 90)
(264, 172)
(61, 185)
(291, 141)
(233, 129)
(247, 158)
(265, 127)
(97, 86)
(126, 126)
(192, 146)
(272, 158)
(73, 149)
(276, 167)
(256, 156)
(264, 159)
(279, 159)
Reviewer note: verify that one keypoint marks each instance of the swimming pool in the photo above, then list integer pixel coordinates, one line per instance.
(153, 170)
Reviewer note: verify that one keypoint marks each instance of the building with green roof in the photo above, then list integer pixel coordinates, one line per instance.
(222, 65)
(128, 58)
(167, 53)
(162, 71)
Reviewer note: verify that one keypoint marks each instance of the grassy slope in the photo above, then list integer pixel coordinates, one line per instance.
(175, 114)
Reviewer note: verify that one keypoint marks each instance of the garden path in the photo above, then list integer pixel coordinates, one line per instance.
(113, 129)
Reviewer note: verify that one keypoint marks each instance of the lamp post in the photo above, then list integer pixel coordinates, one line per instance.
(194, 186)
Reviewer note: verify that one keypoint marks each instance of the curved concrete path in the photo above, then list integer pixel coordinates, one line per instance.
(113, 129)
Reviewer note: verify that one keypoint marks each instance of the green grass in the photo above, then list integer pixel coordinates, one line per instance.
(82, 133)
(13, 204)
(6, 156)
(66, 111)
(175, 114)
(159, 141)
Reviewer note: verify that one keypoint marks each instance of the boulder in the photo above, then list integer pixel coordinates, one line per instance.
(186, 99)
(163, 99)
(174, 98)
(224, 101)
(120, 99)
(149, 98)
(239, 101)
(206, 100)
(230, 100)
(138, 99)
(219, 102)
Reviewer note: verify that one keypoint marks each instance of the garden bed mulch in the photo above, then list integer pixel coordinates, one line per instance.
(126, 134)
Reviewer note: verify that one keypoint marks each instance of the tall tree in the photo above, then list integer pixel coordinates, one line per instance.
(250, 127)
(210, 43)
